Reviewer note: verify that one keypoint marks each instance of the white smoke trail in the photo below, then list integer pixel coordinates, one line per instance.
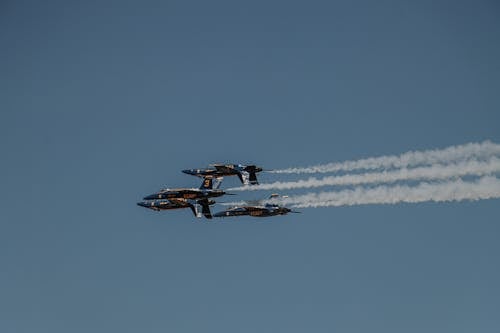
(487, 187)
(408, 159)
(239, 203)
(434, 172)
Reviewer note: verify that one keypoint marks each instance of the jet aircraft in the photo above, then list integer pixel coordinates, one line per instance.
(167, 204)
(246, 173)
(257, 210)
(205, 191)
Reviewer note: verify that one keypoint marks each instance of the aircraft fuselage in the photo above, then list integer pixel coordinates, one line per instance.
(185, 194)
(254, 211)
(246, 173)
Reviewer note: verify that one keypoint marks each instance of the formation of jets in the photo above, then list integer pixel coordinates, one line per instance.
(196, 198)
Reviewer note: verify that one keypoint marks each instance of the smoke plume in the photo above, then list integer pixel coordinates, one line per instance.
(408, 159)
(487, 187)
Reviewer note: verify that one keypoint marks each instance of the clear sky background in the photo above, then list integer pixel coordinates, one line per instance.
(103, 102)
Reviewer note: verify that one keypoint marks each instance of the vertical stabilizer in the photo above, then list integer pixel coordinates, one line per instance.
(207, 183)
(205, 208)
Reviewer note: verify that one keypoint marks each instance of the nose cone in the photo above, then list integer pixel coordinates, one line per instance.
(189, 171)
(143, 204)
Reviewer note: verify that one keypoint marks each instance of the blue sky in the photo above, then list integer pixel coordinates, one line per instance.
(105, 102)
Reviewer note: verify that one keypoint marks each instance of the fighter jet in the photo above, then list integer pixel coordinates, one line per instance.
(258, 210)
(246, 173)
(167, 204)
(205, 191)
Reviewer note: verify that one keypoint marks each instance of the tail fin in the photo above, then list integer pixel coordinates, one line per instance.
(205, 208)
(252, 171)
(243, 176)
(253, 178)
(248, 174)
(207, 183)
(218, 182)
(195, 211)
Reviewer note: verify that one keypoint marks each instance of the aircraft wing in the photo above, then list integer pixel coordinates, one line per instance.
(179, 202)
(244, 177)
(220, 167)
